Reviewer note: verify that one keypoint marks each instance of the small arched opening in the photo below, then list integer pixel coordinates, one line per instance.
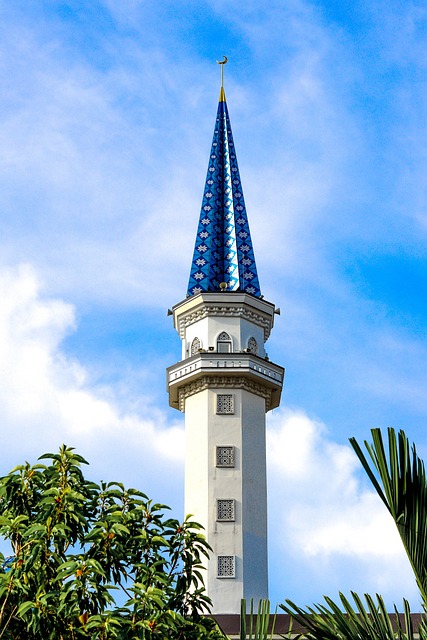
(195, 346)
(252, 346)
(223, 343)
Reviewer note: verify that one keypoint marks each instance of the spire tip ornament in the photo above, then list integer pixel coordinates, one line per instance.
(222, 92)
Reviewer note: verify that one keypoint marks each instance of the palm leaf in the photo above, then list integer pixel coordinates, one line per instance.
(400, 480)
(346, 621)
(258, 627)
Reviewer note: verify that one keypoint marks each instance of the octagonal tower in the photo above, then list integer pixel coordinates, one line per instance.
(225, 384)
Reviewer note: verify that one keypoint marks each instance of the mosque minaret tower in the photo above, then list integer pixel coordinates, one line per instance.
(225, 384)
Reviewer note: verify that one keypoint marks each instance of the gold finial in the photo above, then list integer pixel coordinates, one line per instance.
(222, 92)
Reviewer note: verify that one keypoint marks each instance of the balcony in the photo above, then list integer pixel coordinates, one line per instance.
(227, 365)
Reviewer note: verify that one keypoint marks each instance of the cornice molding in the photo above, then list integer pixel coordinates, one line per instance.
(217, 382)
(187, 319)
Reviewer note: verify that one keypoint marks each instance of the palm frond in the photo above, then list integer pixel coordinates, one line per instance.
(257, 628)
(400, 480)
(346, 621)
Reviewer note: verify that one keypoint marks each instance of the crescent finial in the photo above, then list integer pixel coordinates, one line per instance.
(222, 63)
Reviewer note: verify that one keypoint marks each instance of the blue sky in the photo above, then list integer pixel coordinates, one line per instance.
(107, 111)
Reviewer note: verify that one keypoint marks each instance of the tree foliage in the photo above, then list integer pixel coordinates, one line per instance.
(399, 477)
(95, 561)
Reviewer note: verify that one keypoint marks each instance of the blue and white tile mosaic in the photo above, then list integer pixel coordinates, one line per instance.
(223, 252)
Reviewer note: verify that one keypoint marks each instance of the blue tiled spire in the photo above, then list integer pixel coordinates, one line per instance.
(223, 252)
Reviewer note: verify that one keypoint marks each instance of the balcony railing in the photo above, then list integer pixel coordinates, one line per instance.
(225, 364)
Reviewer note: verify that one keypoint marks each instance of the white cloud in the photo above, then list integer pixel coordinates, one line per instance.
(90, 153)
(106, 157)
(326, 516)
(47, 398)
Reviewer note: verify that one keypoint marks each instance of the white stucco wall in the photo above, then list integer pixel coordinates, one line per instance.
(208, 330)
(246, 537)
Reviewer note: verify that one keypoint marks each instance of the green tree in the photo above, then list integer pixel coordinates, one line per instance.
(399, 477)
(95, 562)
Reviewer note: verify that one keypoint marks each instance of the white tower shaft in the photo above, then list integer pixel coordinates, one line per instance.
(225, 384)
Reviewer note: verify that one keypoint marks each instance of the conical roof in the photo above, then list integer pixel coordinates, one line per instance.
(223, 257)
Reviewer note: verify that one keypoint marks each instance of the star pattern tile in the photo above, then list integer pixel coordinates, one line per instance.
(223, 251)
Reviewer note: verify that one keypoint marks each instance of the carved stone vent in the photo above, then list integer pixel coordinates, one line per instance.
(225, 456)
(225, 403)
(253, 346)
(195, 346)
(225, 510)
(226, 567)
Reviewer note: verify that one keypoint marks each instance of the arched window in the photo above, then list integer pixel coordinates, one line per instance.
(195, 346)
(223, 343)
(253, 346)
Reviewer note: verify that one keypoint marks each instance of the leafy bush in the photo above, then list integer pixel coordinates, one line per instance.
(95, 562)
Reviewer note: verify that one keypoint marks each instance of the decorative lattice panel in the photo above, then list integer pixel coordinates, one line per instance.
(253, 346)
(226, 567)
(195, 346)
(225, 456)
(225, 403)
(225, 510)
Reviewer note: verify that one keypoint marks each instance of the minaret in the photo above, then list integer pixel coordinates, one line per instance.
(225, 384)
